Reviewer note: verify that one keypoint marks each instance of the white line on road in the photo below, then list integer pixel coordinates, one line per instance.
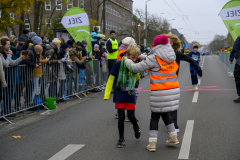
(195, 97)
(186, 143)
(67, 151)
(199, 81)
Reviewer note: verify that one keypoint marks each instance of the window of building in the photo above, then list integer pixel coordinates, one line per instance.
(48, 5)
(59, 4)
(11, 33)
(48, 23)
(12, 17)
(111, 10)
(26, 24)
(81, 4)
(107, 8)
(70, 4)
(106, 24)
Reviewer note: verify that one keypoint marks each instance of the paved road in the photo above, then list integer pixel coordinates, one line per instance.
(92, 128)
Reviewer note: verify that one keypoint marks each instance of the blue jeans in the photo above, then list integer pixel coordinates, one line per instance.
(81, 76)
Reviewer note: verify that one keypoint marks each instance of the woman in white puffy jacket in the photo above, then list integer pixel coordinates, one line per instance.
(165, 92)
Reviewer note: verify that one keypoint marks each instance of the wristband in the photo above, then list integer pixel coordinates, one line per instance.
(9, 53)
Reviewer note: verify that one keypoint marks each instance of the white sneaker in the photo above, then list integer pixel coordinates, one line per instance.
(177, 130)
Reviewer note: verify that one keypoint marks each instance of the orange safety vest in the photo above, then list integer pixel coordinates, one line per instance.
(165, 78)
(119, 58)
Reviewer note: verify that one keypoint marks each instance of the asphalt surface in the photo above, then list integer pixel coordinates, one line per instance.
(92, 124)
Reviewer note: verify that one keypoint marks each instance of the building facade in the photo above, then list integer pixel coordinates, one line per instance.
(118, 14)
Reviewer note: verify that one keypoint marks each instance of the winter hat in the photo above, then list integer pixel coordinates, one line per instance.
(36, 39)
(25, 31)
(70, 42)
(112, 31)
(21, 38)
(84, 42)
(64, 45)
(160, 39)
(96, 45)
(196, 45)
(31, 34)
(128, 41)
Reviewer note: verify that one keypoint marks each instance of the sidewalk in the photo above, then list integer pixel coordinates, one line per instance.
(28, 117)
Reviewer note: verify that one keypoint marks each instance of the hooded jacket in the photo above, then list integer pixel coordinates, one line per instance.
(162, 100)
(52, 53)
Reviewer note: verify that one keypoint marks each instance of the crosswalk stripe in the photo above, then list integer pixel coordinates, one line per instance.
(186, 143)
(67, 151)
(195, 97)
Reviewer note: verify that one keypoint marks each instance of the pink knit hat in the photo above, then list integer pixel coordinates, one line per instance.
(160, 39)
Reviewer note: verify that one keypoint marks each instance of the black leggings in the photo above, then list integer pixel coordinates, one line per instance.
(121, 119)
(174, 118)
(167, 119)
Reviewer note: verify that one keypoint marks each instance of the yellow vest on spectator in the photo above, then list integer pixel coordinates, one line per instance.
(114, 46)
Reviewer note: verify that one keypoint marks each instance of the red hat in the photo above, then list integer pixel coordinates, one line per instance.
(160, 39)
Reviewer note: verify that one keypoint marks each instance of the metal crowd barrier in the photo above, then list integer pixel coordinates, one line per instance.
(28, 87)
(224, 58)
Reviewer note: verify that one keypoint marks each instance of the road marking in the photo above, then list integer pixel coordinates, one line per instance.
(195, 97)
(199, 81)
(186, 143)
(67, 151)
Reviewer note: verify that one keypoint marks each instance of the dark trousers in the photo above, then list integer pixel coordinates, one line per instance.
(9, 91)
(110, 65)
(174, 118)
(237, 78)
(17, 95)
(29, 90)
(194, 77)
(121, 119)
(166, 117)
(52, 89)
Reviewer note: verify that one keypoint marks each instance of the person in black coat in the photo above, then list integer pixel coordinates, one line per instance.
(176, 45)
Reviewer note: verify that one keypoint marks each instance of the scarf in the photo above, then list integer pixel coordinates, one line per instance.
(122, 78)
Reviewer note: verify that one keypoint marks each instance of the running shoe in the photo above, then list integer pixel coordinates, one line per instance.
(138, 133)
(116, 115)
(121, 143)
(126, 119)
(196, 87)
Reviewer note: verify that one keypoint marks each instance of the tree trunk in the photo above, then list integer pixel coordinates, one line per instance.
(36, 16)
(40, 27)
(22, 25)
(104, 17)
(50, 20)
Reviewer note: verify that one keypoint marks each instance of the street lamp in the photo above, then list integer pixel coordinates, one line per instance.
(145, 40)
(139, 33)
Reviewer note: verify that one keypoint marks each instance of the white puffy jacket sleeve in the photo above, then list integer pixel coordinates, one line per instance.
(148, 63)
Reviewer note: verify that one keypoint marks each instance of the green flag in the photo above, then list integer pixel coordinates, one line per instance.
(76, 21)
(230, 15)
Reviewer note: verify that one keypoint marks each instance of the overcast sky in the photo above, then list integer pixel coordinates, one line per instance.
(202, 16)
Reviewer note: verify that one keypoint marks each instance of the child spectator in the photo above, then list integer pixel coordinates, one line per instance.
(124, 95)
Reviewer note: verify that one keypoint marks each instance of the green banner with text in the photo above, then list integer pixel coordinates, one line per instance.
(76, 21)
(230, 15)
